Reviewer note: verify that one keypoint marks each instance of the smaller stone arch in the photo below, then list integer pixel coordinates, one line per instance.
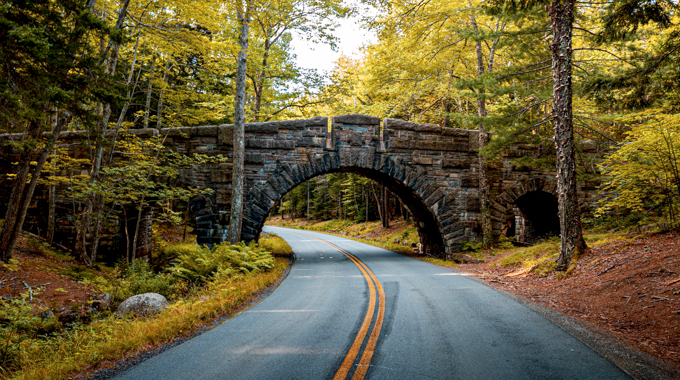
(527, 210)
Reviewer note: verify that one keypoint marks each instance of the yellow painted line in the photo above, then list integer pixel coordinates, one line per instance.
(365, 361)
(369, 350)
(347, 363)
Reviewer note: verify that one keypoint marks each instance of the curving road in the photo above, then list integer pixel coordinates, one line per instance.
(348, 310)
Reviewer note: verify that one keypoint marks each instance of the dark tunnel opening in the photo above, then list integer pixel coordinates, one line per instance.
(536, 217)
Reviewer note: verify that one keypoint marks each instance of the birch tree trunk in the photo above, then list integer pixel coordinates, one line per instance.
(237, 182)
(562, 20)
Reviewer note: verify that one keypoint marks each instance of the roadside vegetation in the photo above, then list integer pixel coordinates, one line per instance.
(42, 337)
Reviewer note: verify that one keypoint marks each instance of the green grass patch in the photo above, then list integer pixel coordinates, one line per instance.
(276, 245)
(440, 262)
(541, 258)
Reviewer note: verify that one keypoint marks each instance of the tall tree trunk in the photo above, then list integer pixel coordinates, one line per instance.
(21, 195)
(159, 111)
(52, 197)
(307, 201)
(237, 182)
(149, 88)
(572, 243)
(484, 186)
(385, 213)
(259, 88)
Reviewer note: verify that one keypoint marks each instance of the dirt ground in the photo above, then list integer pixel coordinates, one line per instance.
(629, 288)
(40, 277)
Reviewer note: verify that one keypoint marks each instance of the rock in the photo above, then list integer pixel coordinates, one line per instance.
(47, 315)
(102, 302)
(142, 305)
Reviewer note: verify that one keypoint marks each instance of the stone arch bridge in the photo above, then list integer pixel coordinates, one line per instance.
(433, 170)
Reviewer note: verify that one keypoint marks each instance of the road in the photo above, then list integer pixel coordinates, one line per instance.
(351, 310)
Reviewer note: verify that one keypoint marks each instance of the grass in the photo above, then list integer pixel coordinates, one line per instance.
(541, 258)
(440, 262)
(276, 245)
(109, 339)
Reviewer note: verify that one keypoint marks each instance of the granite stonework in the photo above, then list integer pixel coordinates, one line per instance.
(433, 170)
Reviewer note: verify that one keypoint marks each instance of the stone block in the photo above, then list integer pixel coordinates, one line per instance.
(452, 146)
(456, 132)
(396, 124)
(356, 139)
(422, 161)
(266, 128)
(469, 180)
(398, 143)
(422, 145)
(434, 197)
(356, 119)
(271, 192)
(257, 143)
(281, 144)
(207, 131)
(472, 204)
(220, 175)
(254, 158)
(183, 132)
(473, 141)
(456, 163)
(428, 128)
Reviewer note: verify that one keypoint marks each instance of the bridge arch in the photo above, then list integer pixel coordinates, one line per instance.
(432, 206)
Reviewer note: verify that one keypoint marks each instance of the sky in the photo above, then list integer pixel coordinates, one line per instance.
(321, 57)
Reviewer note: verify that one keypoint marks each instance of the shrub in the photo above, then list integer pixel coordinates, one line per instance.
(201, 264)
(138, 277)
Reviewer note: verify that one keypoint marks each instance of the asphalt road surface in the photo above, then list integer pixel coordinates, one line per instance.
(348, 310)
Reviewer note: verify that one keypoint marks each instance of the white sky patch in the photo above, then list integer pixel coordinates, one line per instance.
(320, 56)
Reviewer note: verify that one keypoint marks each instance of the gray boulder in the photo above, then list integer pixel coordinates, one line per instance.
(142, 305)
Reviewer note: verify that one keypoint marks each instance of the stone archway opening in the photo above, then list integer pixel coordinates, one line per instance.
(536, 217)
(429, 230)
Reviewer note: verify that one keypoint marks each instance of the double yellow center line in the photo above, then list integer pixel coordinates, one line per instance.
(374, 287)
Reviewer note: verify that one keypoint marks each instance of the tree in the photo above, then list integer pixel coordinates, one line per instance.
(238, 175)
(48, 66)
(643, 174)
(270, 60)
(572, 243)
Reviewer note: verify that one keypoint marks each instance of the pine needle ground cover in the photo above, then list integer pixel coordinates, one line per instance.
(626, 284)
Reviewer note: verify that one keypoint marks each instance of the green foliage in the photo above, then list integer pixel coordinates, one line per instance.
(202, 264)
(19, 320)
(45, 249)
(275, 245)
(138, 277)
(539, 253)
(471, 246)
(143, 172)
(42, 73)
(642, 176)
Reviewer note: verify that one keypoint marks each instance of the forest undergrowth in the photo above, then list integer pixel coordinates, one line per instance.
(53, 324)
